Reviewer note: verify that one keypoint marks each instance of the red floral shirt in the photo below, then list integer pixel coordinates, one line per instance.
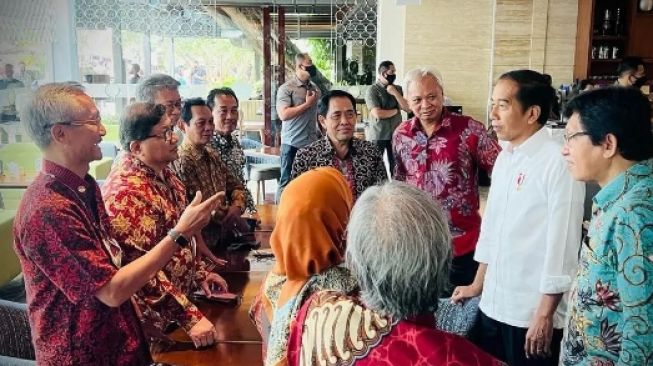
(445, 165)
(143, 207)
(61, 236)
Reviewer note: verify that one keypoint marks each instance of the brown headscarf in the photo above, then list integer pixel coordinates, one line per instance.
(309, 234)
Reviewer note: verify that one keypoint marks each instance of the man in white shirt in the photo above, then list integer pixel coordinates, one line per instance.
(531, 229)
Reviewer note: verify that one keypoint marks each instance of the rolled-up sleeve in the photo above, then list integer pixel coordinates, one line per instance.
(563, 234)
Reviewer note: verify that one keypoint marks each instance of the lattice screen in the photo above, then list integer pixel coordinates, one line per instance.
(26, 21)
(355, 20)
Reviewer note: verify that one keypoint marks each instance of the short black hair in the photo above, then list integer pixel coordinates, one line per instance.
(534, 89)
(186, 109)
(383, 66)
(623, 112)
(210, 99)
(323, 104)
(629, 64)
(137, 121)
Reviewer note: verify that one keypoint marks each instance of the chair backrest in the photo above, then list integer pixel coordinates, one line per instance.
(15, 335)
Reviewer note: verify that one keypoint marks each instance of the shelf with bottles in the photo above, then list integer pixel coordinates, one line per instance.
(620, 38)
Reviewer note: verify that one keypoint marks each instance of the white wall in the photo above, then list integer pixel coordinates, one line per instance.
(64, 48)
(390, 33)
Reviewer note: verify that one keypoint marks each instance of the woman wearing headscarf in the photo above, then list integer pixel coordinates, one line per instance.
(308, 246)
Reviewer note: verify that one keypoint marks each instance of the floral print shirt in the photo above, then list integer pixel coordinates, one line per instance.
(233, 157)
(611, 315)
(201, 169)
(61, 235)
(445, 165)
(143, 207)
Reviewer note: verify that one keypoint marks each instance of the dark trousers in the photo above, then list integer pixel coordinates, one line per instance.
(462, 273)
(506, 343)
(288, 153)
(386, 145)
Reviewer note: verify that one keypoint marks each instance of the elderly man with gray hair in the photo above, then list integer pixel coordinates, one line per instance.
(440, 153)
(399, 251)
(77, 286)
(164, 90)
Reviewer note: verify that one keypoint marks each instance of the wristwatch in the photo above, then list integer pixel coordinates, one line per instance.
(178, 238)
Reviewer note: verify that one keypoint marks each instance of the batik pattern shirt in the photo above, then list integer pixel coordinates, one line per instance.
(363, 167)
(143, 207)
(201, 169)
(334, 329)
(233, 156)
(445, 165)
(611, 316)
(61, 235)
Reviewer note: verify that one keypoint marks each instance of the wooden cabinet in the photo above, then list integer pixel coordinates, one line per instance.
(600, 47)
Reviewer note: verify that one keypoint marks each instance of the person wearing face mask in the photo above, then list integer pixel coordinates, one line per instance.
(632, 72)
(297, 108)
(385, 102)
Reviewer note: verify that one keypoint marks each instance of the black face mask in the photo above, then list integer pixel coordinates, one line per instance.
(311, 70)
(391, 78)
(639, 82)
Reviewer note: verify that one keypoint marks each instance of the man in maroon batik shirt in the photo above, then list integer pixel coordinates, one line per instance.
(440, 153)
(77, 291)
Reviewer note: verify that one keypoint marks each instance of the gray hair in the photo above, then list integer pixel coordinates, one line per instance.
(399, 249)
(50, 103)
(149, 86)
(419, 74)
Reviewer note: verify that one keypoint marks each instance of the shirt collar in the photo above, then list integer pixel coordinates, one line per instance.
(298, 82)
(67, 177)
(445, 122)
(532, 145)
(622, 183)
(330, 151)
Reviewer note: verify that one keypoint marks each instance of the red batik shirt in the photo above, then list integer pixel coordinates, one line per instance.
(335, 329)
(445, 165)
(143, 207)
(61, 237)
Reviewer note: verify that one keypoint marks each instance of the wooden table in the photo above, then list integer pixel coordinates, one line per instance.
(238, 340)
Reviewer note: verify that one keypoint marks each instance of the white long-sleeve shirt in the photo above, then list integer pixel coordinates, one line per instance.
(531, 231)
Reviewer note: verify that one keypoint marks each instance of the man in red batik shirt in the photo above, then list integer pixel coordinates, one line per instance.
(440, 153)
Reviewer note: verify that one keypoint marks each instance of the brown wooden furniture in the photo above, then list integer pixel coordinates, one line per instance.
(633, 40)
(238, 343)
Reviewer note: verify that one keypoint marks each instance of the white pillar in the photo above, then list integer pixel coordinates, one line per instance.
(64, 64)
(390, 34)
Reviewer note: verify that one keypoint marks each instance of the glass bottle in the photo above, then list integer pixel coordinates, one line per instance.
(618, 23)
(606, 28)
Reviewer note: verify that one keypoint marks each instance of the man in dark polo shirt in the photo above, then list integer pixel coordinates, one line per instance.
(385, 102)
(297, 108)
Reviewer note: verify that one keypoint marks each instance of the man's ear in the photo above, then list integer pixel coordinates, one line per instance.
(182, 126)
(58, 133)
(135, 147)
(610, 147)
(322, 121)
(534, 113)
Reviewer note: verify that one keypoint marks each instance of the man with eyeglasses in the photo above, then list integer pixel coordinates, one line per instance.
(359, 161)
(440, 153)
(531, 229)
(144, 199)
(78, 284)
(609, 140)
(200, 168)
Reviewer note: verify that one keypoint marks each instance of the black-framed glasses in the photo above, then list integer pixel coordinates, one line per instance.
(574, 135)
(167, 134)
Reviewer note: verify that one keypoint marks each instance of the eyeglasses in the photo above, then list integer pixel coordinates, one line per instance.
(172, 106)
(167, 135)
(574, 135)
(97, 123)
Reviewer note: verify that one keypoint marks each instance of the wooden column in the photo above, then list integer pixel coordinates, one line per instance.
(267, 77)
